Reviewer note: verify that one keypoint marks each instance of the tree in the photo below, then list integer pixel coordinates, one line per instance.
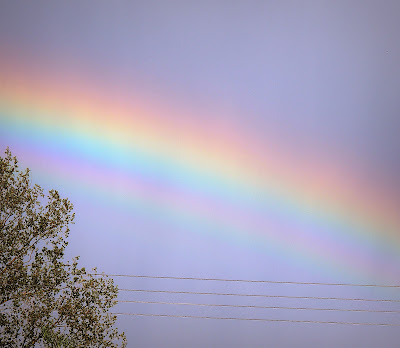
(45, 300)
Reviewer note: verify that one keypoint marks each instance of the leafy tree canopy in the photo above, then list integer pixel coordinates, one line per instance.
(45, 300)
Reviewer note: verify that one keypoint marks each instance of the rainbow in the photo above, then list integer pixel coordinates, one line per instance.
(153, 157)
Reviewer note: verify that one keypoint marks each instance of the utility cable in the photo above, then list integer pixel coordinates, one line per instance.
(248, 281)
(262, 307)
(261, 295)
(258, 319)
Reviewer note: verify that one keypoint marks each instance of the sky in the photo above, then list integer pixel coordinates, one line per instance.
(219, 139)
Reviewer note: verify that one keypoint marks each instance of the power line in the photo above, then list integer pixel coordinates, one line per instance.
(258, 319)
(249, 281)
(261, 295)
(262, 307)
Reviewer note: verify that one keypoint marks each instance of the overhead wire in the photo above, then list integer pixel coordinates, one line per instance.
(261, 295)
(260, 307)
(257, 319)
(250, 281)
